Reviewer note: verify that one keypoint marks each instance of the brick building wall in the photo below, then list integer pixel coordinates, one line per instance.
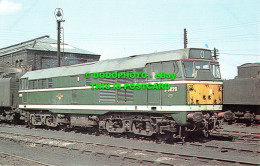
(40, 53)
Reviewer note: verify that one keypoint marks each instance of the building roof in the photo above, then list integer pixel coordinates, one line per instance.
(119, 64)
(44, 43)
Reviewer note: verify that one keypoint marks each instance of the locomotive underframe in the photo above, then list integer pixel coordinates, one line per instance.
(143, 124)
(9, 114)
(248, 113)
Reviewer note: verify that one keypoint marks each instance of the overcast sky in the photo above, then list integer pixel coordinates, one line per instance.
(119, 28)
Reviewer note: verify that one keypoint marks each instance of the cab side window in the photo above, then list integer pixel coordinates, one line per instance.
(154, 68)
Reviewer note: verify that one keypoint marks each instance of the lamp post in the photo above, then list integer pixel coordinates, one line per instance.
(58, 15)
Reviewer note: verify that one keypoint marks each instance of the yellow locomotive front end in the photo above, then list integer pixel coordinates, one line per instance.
(205, 94)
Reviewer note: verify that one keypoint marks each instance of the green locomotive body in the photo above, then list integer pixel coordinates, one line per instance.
(64, 97)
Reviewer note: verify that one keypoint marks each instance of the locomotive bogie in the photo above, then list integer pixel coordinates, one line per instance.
(145, 124)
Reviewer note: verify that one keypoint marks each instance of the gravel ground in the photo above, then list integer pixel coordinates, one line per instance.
(242, 128)
(7, 160)
(48, 155)
(60, 156)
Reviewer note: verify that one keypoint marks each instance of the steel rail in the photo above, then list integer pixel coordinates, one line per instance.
(26, 159)
(150, 159)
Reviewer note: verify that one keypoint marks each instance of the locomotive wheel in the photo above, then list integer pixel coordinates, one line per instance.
(30, 125)
(51, 121)
(141, 128)
(32, 120)
(114, 126)
(206, 133)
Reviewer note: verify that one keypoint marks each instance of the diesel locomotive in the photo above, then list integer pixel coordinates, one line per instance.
(63, 97)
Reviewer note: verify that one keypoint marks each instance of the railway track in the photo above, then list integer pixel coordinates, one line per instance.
(224, 146)
(142, 156)
(239, 136)
(12, 159)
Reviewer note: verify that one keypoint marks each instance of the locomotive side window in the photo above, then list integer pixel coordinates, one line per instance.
(214, 67)
(167, 68)
(188, 68)
(155, 68)
(170, 68)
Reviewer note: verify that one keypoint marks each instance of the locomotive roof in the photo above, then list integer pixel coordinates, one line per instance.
(119, 64)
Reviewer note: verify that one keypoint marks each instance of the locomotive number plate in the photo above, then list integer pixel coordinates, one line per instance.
(171, 89)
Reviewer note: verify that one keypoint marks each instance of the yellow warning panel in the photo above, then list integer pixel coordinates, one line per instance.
(204, 94)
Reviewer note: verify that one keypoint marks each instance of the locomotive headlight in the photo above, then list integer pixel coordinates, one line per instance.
(20, 95)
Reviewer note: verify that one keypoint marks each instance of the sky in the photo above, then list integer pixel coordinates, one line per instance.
(120, 28)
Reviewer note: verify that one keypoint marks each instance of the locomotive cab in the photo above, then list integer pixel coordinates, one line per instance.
(203, 92)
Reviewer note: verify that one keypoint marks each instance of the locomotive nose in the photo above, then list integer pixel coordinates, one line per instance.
(198, 94)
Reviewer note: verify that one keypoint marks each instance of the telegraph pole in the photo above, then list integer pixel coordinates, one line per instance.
(58, 15)
(185, 38)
